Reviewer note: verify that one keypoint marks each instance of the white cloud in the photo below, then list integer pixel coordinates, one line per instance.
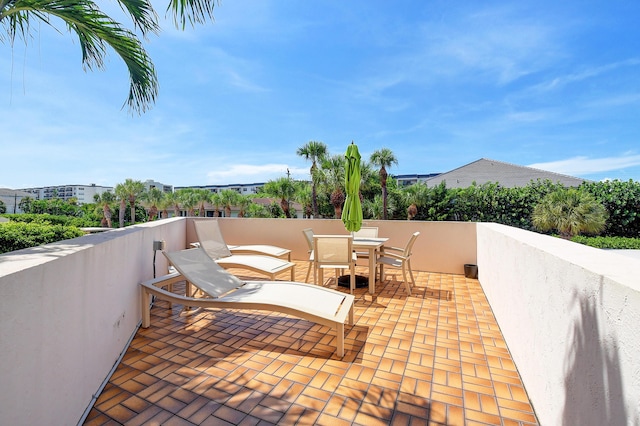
(585, 74)
(582, 165)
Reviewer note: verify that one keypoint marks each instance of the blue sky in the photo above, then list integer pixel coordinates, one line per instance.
(548, 84)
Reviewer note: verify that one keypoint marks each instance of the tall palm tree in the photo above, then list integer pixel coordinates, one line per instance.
(314, 151)
(96, 31)
(570, 212)
(384, 158)
(333, 176)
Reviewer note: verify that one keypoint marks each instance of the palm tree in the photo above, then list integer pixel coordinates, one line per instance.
(164, 204)
(384, 158)
(121, 196)
(314, 151)
(333, 175)
(188, 198)
(416, 196)
(303, 195)
(153, 197)
(228, 198)
(373, 208)
(203, 196)
(176, 198)
(282, 188)
(216, 200)
(96, 31)
(129, 191)
(570, 212)
(243, 202)
(105, 199)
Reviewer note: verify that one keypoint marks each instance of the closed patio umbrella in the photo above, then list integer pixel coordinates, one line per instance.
(352, 211)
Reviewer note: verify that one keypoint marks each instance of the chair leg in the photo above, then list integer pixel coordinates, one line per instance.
(413, 281)
(306, 279)
(404, 276)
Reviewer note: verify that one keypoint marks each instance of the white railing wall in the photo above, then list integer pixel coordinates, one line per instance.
(67, 311)
(570, 316)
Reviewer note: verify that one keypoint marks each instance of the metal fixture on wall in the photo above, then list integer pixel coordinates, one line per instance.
(157, 245)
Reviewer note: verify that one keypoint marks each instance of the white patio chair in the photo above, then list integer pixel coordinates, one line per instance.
(334, 252)
(398, 257)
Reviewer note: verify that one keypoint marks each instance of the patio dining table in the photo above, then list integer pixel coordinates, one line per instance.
(371, 245)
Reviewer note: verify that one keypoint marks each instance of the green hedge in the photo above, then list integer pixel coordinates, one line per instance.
(52, 219)
(608, 242)
(20, 235)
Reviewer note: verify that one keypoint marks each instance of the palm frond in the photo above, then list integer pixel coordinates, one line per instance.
(192, 11)
(95, 31)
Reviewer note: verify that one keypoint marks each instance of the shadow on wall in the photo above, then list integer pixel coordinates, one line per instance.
(593, 381)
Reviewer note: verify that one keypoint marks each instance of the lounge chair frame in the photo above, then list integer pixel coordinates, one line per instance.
(252, 295)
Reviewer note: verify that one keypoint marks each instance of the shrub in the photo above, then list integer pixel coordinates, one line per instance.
(608, 242)
(20, 235)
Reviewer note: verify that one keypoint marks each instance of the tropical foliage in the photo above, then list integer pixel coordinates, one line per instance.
(20, 235)
(314, 151)
(611, 208)
(569, 212)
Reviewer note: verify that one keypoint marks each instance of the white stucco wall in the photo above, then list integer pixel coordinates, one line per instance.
(570, 315)
(442, 246)
(66, 312)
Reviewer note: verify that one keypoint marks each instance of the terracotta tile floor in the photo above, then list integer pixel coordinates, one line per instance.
(435, 358)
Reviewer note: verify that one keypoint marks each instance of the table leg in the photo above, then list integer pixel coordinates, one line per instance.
(372, 270)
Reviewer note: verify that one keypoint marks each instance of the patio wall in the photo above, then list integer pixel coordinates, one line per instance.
(570, 316)
(442, 246)
(68, 309)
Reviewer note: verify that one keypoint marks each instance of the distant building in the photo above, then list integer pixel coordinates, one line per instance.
(11, 199)
(507, 175)
(149, 184)
(83, 193)
(406, 180)
(241, 188)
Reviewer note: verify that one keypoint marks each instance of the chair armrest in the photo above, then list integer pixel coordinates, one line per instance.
(392, 255)
(386, 248)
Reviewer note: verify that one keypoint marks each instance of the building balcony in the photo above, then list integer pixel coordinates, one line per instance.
(546, 335)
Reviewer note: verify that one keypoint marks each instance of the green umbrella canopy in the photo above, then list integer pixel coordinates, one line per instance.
(352, 211)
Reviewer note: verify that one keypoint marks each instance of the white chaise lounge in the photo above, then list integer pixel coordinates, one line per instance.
(225, 291)
(210, 229)
(211, 240)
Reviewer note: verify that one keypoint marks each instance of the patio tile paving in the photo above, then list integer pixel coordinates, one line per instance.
(435, 358)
